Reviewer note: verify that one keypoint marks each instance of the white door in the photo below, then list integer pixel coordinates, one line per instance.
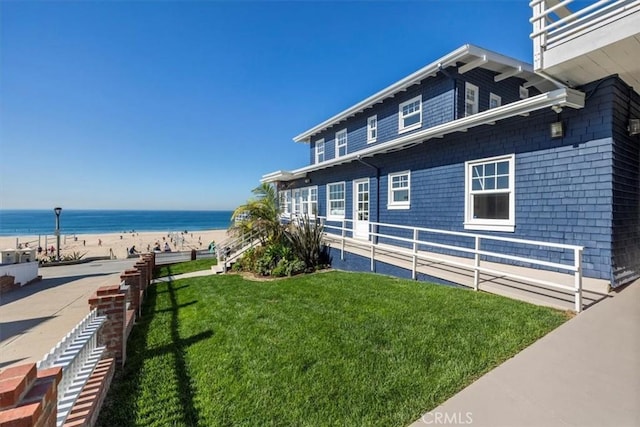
(361, 208)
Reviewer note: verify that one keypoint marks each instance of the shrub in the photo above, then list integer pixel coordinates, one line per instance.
(306, 242)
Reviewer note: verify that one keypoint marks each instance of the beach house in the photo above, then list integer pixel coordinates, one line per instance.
(478, 153)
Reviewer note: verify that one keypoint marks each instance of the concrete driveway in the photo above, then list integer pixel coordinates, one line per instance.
(35, 317)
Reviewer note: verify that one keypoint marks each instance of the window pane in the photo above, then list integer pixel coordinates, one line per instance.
(490, 169)
(490, 183)
(401, 196)
(503, 182)
(476, 184)
(491, 206)
(411, 120)
(503, 168)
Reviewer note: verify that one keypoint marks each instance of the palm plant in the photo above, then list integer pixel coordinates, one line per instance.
(260, 215)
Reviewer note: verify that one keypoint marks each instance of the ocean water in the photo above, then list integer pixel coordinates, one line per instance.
(43, 222)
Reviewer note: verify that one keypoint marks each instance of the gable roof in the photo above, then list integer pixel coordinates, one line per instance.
(471, 56)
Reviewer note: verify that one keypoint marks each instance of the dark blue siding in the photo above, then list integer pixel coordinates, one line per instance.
(626, 186)
(581, 189)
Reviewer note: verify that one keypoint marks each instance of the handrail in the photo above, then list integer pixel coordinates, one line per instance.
(575, 267)
(77, 354)
(233, 247)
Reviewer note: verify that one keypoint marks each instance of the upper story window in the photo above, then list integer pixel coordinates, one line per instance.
(399, 190)
(320, 151)
(372, 129)
(335, 200)
(341, 143)
(410, 114)
(490, 194)
(494, 100)
(470, 99)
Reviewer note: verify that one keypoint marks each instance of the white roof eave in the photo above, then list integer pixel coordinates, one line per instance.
(563, 97)
(465, 52)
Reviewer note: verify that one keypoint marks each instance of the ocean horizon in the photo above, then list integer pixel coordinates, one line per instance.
(26, 222)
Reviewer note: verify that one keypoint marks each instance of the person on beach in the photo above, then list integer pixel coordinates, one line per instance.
(99, 242)
(167, 248)
(133, 250)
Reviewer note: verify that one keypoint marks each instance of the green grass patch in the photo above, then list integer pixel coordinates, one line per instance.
(184, 267)
(326, 349)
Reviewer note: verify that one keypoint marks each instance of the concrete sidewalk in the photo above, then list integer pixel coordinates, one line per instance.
(35, 317)
(585, 373)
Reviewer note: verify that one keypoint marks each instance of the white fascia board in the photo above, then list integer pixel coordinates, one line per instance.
(277, 176)
(462, 53)
(563, 97)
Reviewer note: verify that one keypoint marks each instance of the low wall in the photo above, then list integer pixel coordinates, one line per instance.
(28, 396)
(24, 272)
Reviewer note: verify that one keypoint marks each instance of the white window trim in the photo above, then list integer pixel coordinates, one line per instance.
(493, 96)
(476, 98)
(338, 145)
(331, 217)
(369, 128)
(285, 200)
(319, 143)
(418, 125)
(398, 205)
(297, 203)
(507, 225)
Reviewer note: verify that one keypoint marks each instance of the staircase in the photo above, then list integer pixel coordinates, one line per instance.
(231, 249)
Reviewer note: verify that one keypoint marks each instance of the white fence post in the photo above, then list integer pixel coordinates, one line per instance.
(414, 274)
(476, 264)
(577, 279)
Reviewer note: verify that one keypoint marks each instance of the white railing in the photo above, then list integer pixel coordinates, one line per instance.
(410, 247)
(232, 248)
(551, 26)
(78, 354)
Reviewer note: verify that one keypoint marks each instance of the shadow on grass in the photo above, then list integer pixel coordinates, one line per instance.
(120, 405)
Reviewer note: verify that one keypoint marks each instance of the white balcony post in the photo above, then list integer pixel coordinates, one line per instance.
(539, 41)
(373, 257)
(476, 264)
(577, 278)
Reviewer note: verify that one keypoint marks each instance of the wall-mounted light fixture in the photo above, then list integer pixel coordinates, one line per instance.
(307, 180)
(634, 126)
(556, 130)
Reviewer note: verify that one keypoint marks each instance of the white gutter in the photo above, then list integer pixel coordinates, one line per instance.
(563, 97)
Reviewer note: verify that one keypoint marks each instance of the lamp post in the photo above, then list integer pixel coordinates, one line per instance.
(57, 211)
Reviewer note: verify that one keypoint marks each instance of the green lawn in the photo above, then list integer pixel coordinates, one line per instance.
(184, 267)
(329, 349)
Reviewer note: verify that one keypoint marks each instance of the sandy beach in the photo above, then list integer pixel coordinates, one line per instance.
(117, 245)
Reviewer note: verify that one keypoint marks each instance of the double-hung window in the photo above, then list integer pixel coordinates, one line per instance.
(470, 99)
(399, 190)
(372, 129)
(335, 200)
(320, 151)
(490, 194)
(304, 201)
(341, 143)
(410, 114)
(494, 100)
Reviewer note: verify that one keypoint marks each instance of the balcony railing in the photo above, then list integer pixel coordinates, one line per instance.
(554, 23)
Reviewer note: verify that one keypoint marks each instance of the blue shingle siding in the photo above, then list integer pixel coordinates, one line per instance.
(581, 189)
(626, 187)
(507, 89)
(437, 107)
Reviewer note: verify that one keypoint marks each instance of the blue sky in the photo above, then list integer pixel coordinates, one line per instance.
(185, 105)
